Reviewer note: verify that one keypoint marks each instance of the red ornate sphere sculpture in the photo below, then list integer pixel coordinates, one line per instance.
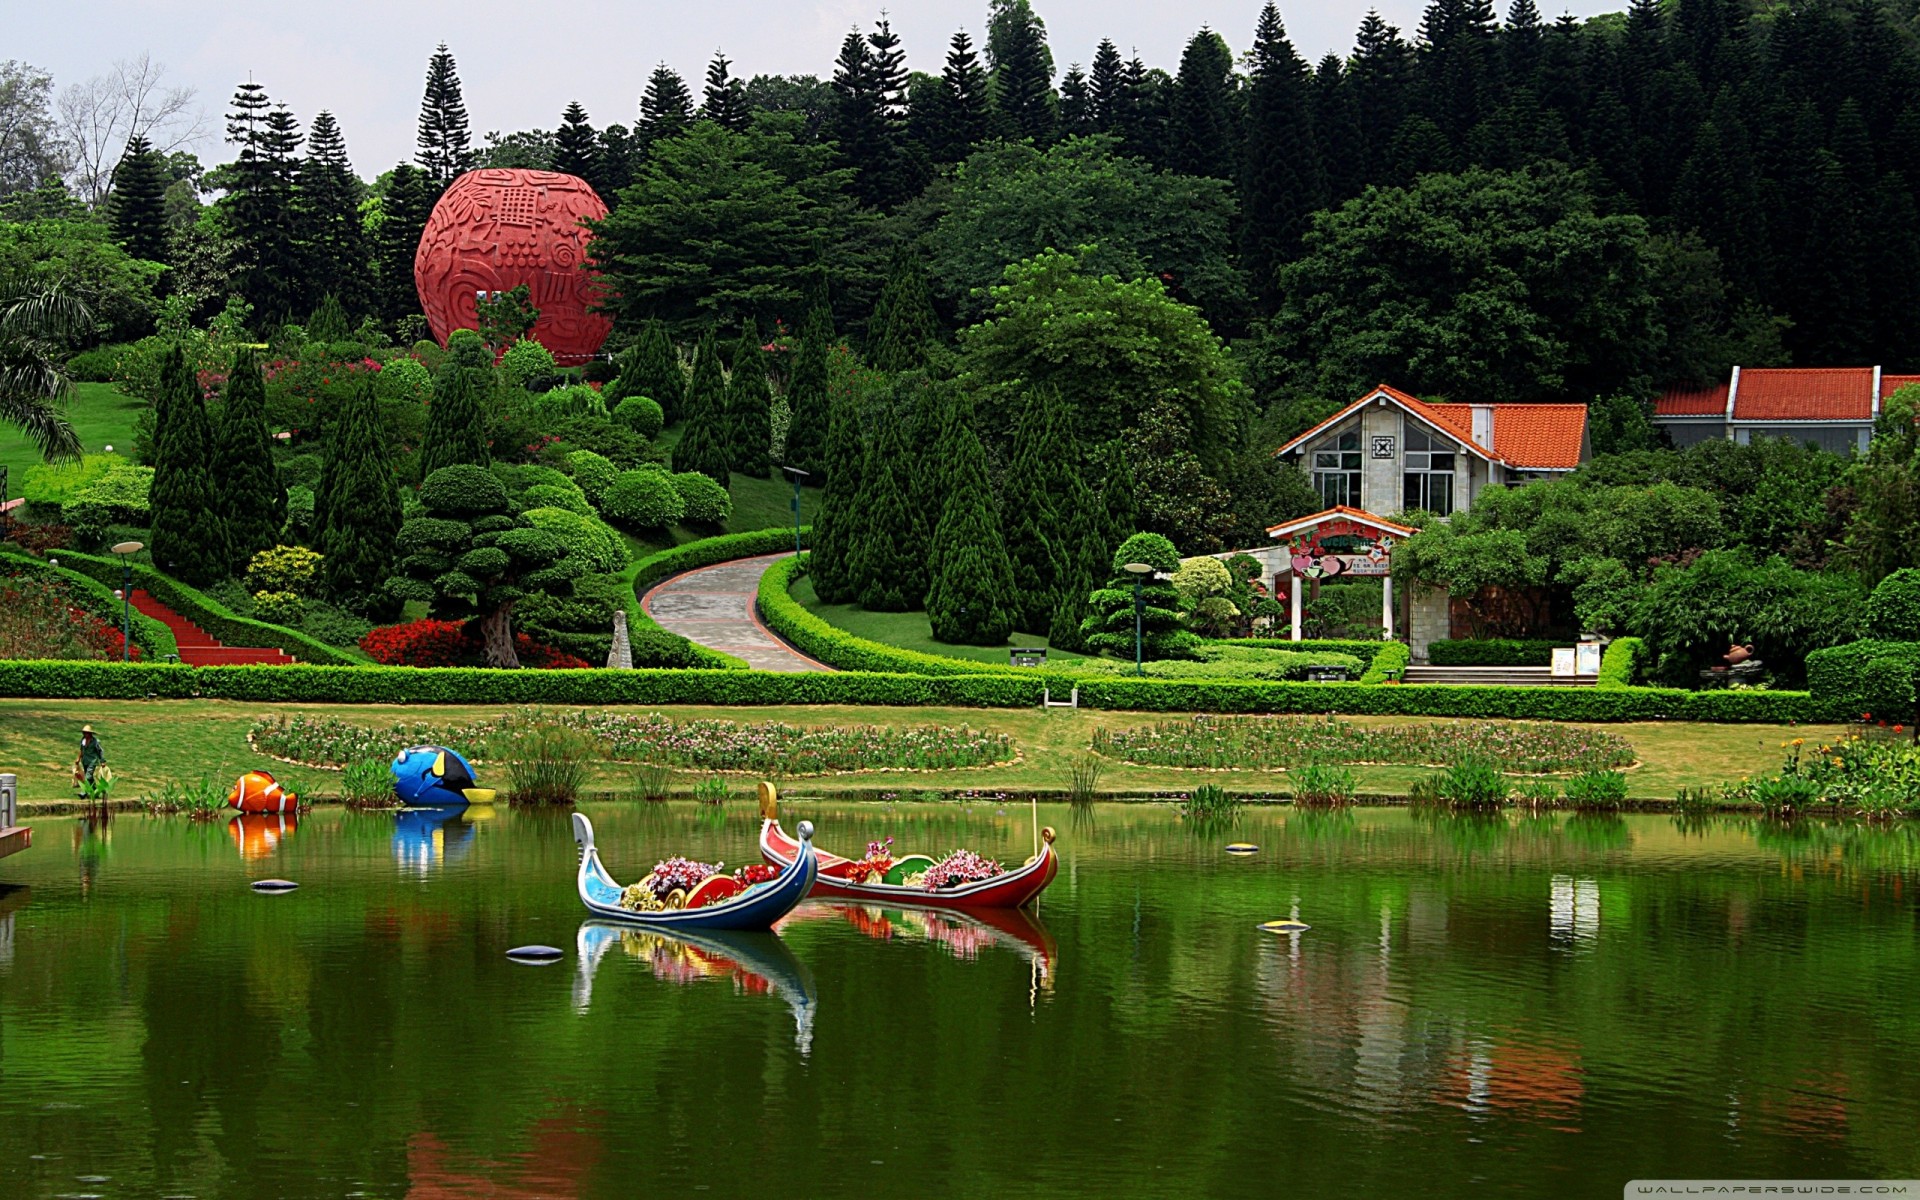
(496, 229)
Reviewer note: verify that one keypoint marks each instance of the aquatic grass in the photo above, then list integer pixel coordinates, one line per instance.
(1209, 803)
(711, 790)
(548, 764)
(200, 800)
(1536, 795)
(655, 780)
(1472, 785)
(1323, 786)
(368, 784)
(1526, 747)
(1084, 778)
(1597, 791)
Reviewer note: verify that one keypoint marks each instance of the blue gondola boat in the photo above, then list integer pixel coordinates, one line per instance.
(756, 908)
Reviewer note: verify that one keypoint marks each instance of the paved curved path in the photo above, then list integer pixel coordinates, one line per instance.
(714, 607)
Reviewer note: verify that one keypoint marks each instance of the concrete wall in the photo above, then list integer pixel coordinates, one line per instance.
(1380, 477)
(1427, 619)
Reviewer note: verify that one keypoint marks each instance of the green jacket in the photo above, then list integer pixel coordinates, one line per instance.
(91, 753)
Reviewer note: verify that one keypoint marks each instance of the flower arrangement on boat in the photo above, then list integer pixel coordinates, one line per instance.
(683, 883)
(874, 867)
(962, 866)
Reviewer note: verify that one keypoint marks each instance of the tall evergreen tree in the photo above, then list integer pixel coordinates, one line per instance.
(1035, 547)
(614, 156)
(189, 532)
(725, 103)
(247, 487)
(1076, 104)
(1203, 108)
(666, 107)
(358, 511)
(651, 368)
(137, 208)
(971, 599)
(809, 425)
(1281, 181)
(1380, 77)
(258, 209)
(333, 237)
(1084, 540)
(445, 143)
(404, 209)
(1106, 87)
(868, 116)
(892, 556)
(456, 421)
(704, 445)
(960, 116)
(749, 408)
(839, 528)
(575, 148)
(1022, 68)
(903, 326)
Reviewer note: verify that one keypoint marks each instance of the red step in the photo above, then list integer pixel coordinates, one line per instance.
(198, 648)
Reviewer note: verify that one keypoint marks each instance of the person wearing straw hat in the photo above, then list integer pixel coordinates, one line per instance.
(92, 758)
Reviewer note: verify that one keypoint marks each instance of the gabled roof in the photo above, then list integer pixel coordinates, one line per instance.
(1805, 394)
(1693, 402)
(1341, 512)
(1889, 384)
(1544, 437)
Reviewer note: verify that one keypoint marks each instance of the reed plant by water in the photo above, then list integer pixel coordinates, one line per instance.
(1084, 778)
(201, 799)
(1597, 791)
(1474, 785)
(1536, 795)
(367, 784)
(712, 790)
(547, 764)
(655, 781)
(1320, 786)
(1209, 803)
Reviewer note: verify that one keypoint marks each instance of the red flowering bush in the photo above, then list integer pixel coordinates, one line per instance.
(39, 619)
(754, 873)
(430, 643)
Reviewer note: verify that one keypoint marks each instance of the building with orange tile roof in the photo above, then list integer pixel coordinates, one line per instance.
(1832, 407)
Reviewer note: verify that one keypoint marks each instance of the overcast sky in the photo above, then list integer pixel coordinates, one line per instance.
(520, 65)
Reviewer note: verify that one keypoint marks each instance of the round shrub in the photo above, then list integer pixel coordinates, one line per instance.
(587, 539)
(706, 501)
(594, 473)
(463, 489)
(575, 400)
(1149, 548)
(100, 365)
(1893, 611)
(525, 359)
(290, 569)
(278, 608)
(547, 495)
(1199, 578)
(403, 380)
(642, 415)
(643, 500)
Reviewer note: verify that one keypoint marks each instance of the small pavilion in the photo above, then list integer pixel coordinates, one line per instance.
(1339, 543)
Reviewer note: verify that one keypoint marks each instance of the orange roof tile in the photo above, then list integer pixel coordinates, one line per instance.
(1358, 516)
(1889, 384)
(1804, 394)
(1692, 402)
(1540, 436)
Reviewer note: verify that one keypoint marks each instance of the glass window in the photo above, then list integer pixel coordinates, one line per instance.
(1336, 472)
(1427, 474)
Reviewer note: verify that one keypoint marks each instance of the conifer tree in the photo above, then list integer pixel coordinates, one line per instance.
(839, 528)
(892, 557)
(1203, 132)
(1076, 104)
(807, 400)
(456, 425)
(749, 408)
(651, 368)
(136, 209)
(867, 116)
(332, 236)
(1118, 505)
(258, 209)
(704, 445)
(248, 488)
(1084, 541)
(357, 514)
(1106, 88)
(666, 107)
(404, 210)
(613, 162)
(445, 144)
(1281, 183)
(903, 324)
(1022, 68)
(725, 102)
(1034, 527)
(575, 149)
(971, 598)
(960, 114)
(189, 532)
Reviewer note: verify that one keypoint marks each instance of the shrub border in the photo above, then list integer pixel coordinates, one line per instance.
(153, 637)
(656, 569)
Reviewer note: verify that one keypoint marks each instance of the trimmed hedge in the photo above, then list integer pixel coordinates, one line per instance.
(1622, 662)
(1865, 678)
(844, 651)
(1492, 652)
(658, 568)
(208, 613)
(302, 683)
(153, 637)
(1390, 663)
(1362, 650)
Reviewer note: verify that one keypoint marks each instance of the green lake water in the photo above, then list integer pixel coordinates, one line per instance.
(1515, 1007)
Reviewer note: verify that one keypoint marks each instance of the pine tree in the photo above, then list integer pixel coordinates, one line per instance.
(1119, 505)
(136, 209)
(1106, 87)
(358, 513)
(651, 368)
(575, 149)
(892, 558)
(971, 599)
(1281, 183)
(749, 408)
(404, 210)
(445, 144)
(903, 324)
(456, 424)
(1034, 545)
(704, 445)
(247, 486)
(839, 528)
(961, 115)
(1382, 62)
(1145, 114)
(1022, 68)
(333, 239)
(666, 107)
(613, 162)
(189, 532)
(866, 119)
(809, 426)
(726, 100)
(258, 208)
(328, 323)
(1088, 552)
(1203, 108)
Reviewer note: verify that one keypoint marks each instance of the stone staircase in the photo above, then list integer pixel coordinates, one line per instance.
(198, 648)
(1501, 676)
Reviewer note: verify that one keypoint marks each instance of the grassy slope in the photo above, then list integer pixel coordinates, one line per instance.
(909, 630)
(101, 415)
(148, 742)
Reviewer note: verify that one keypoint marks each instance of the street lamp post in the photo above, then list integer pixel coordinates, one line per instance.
(126, 551)
(795, 474)
(1140, 572)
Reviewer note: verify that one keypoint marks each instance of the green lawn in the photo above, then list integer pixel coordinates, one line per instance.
(910, 631)
(101, 415)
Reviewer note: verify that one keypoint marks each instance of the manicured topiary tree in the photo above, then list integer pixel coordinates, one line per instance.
(643, 500)
(707, 503)
(357, 512)
(971, 598)
(250, 496)
(640, 414)
(749, 408)
(1089, 551)
(1110, 624)
(189, 533)
(1036, 538)
(1893, 610)
(892, 559)
(839, 529)
(703, 447)
(809, 427)
(904, 324)
(469, 556)
(594, 473)
(524, 362)
(651, 367)
(588, 540)
(456, 426)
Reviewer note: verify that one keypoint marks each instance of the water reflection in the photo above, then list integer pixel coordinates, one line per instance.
(963, 933)
(13, 897)
(258, 835)
(425, 839)
(756, 963)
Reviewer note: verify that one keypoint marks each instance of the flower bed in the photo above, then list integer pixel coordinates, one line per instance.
(1268, 742)
(771, 747)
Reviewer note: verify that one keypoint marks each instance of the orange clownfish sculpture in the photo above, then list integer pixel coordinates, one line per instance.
(258, 792)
